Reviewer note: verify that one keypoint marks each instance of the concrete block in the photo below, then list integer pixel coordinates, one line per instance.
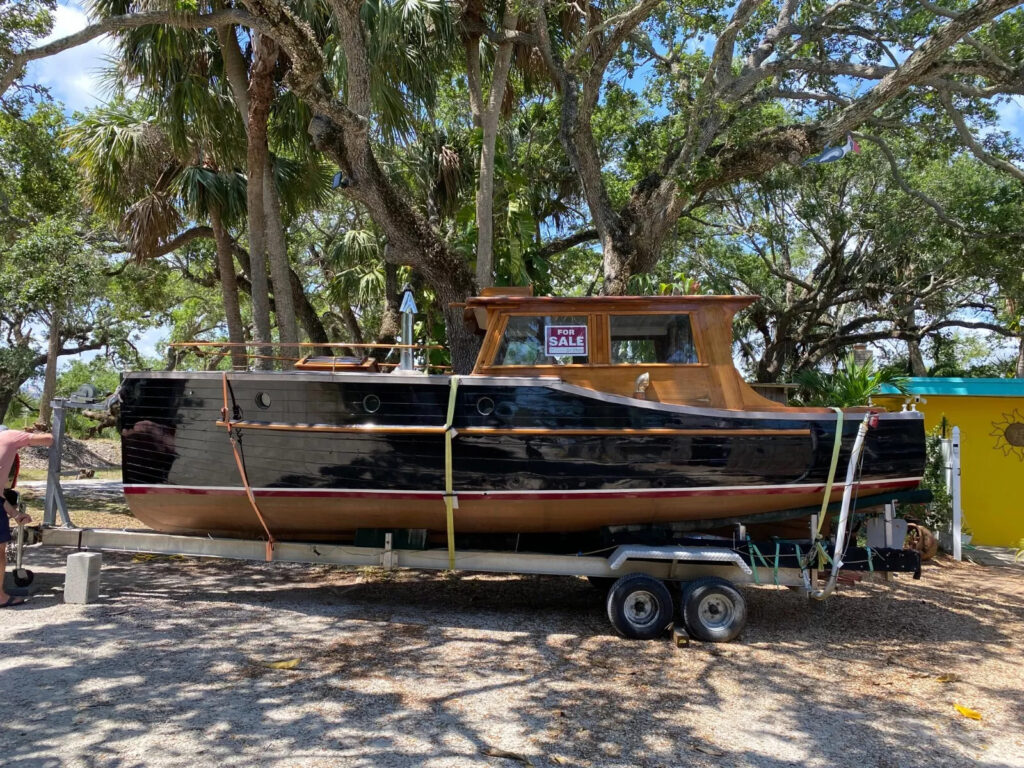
(82, 579)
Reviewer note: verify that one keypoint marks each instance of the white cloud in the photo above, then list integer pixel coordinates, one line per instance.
(73, 76)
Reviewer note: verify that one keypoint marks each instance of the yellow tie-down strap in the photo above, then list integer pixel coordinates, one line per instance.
(836, 445)
(449, 495)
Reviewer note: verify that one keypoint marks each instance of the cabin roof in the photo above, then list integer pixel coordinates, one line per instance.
(980, 387)
(548, 304)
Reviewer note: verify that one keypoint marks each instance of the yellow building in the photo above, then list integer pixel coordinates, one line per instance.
(990, 414)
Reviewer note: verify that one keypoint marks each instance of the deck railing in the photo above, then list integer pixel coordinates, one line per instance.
(309, 355)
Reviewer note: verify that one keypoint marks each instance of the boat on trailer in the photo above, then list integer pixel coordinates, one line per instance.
(610, 438)
(583, 419)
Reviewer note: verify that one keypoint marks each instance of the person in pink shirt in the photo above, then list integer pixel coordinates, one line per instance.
(11, 441)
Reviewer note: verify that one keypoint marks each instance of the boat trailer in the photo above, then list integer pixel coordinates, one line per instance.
(648, 586)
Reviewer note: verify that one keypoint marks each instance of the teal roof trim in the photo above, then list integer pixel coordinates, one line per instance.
(965, 387)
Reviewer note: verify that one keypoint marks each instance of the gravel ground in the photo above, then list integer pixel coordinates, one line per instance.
(77, 454)
(170, 668)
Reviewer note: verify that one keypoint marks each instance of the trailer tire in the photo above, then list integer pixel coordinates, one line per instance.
(639, 606)
(713, 610)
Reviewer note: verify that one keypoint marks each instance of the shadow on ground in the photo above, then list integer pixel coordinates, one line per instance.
(415, 669)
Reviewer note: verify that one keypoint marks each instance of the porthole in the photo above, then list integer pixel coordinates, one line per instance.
(371, 403)
(263, 399)
(485, 406)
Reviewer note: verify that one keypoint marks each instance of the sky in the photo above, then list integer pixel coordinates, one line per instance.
(73, 76)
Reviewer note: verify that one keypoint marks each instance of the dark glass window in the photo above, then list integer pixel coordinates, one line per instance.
(638, 339)
(544, 340)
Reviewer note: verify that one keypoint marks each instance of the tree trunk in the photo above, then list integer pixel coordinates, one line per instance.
(410, 237)
(489, 123)
(50, 375)
(280, 273)
(306, 312)
(6, 398)
(261, 92)
(917, 366)
(391, 318)
(352, 326)
(235, 68)
(1020, 359)
(229, 289)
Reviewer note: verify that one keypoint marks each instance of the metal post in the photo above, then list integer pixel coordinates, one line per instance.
(957, 505)
(408, 310)
(54, 499)
(890, 513)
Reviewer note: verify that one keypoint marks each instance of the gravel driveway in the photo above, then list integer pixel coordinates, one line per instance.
(171, 668)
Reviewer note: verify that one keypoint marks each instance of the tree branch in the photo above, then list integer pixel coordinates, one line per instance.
(916, 66)
(127, 21)
(558, 245)
(973, 144)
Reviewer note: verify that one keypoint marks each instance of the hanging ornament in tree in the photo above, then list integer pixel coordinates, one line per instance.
(831, 154)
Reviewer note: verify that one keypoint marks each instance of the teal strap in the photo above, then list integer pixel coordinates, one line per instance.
(754, 551)
(800, 558)
(775, 574)
(871, 562)
(753, 562)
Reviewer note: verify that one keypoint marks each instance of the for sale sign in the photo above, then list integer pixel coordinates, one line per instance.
(562, 340)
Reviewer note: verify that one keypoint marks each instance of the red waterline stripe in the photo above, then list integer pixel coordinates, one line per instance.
(874, 486)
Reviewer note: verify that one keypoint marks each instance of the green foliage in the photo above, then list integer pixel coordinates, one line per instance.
(21, 22)
(938, 514)
(850, 384)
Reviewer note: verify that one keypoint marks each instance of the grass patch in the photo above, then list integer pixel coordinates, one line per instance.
(89, 510)
(40, 474)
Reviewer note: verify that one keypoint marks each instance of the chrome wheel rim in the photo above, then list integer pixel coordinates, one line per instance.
(641, 608)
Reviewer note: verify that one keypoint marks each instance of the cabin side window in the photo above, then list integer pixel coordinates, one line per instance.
(640, 339)
(544, 340)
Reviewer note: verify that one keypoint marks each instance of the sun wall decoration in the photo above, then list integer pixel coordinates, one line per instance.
(1009, 434)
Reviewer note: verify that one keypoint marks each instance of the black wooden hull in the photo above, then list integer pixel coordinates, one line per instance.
(327, 454)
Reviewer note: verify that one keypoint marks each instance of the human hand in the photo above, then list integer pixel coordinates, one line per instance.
(22, 518)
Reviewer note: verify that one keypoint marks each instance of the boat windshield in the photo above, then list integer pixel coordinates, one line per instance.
(544, 340)
(640, 339)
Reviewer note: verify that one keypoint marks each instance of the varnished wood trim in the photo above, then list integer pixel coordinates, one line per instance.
(519, 369)
(356, 428)
(588, 304)
(343, 344)
(512, 431)
(653, 431)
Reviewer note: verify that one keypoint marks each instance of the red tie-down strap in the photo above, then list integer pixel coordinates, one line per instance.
(241, 471)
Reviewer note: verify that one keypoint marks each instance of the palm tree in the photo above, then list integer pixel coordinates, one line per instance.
(851, 383)
(133, 176)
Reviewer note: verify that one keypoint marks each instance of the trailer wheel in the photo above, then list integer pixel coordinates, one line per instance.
(639, 606)
(713, 610)
(23, 577)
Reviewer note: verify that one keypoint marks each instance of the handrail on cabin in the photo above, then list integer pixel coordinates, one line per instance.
(207, 349)
(343, 344)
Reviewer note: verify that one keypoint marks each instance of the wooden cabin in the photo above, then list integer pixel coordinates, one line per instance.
(669, 349)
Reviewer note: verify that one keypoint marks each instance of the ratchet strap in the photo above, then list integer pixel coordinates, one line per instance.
(837, 444)
(449, 495)
(226, 418)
